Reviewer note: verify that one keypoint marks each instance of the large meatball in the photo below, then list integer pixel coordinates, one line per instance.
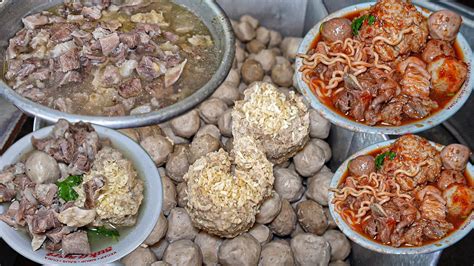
(444, 25)
(455, 156)
(459, 200)
(336, 29)
(449, 177)
(435, 48)
(243, 250)
(447, 74)
(42, 168)
(310, 249)
(362, 165)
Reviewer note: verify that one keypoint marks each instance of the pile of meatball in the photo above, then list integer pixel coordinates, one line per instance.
(294, 226)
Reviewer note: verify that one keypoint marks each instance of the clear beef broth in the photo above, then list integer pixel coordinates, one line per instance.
(86, 97)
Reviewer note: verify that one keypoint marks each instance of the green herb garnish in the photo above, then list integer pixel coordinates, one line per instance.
(451, 94)
(381, 158)
(103, 231)
(357, 23)
(65, 187)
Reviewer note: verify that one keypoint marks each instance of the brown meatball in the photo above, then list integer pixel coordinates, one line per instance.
(435, 48)
(447, 74)
(449, 177)
(336, 29)
(455, 156)
(444, 25)
(362, 165)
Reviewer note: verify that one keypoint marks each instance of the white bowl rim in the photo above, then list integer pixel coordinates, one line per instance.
(141, 230)
(368, 243)
(417, 126)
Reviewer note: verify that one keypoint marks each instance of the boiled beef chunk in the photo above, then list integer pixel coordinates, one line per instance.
(76, 243)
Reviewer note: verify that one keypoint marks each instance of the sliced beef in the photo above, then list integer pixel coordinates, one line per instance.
(9, 217)
(131, 39)
(150, 29)
(92, 12)
(51, 246)
(437, 230)
(90, 188)
(70, 77)
(130, 88)
(149, 69)
(33, 21)
(111, 75)
(62, 32)
(45, 193)
(109, 42)
(69, 60)
(7, 193)
(40, 74)
(44, 220)
(21, 182)
(81, 163)
(76, 243)
(57, 234)
(171, 36)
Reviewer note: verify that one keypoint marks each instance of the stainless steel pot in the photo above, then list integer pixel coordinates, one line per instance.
(11, 12)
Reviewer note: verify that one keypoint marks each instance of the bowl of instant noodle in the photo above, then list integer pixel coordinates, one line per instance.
(412, 238)
(105, 246)
(343, 81)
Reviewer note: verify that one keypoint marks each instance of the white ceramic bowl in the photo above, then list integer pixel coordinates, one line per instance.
(364, 241)
(148, 215)
(450, 109)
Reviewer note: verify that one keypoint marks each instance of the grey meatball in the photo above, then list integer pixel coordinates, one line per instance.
(252, 71)
(276, 253)
(158, 147)
(139, 257)
(158, 232)
(311, 217)
(209, 129)
(340, 245)
(180, 226)
(42, 168)
(227, 92)
(209, 246)
(201, 146)
(318, 126)
(212, 109)
(178, 164)
(331, 223)
(183, 253)
(169, 194)
(336, 29)
(325, 147)
(444, 25)
(181, 189)
(242, 250)
(262, 233)
(186, 125)
(269, 210)
(362, 165)
(282, 75)
(309, 160)
(455, 156)
(309, 249)
(225, 123)
(285, 221)
(318, 187)
(288, 184)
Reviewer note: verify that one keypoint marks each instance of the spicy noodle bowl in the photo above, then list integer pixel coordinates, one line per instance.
(407, 196)
(386, 67)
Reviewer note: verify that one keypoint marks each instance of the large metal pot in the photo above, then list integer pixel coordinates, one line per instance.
(11, 12)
